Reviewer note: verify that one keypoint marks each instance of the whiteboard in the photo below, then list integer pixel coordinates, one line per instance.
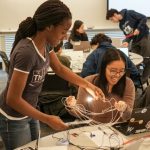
(91, 12)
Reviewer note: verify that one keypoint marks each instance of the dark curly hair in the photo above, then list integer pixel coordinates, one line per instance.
(99, 38)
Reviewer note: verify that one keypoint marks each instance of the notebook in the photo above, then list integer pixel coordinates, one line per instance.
(81, 45)
(138, 123)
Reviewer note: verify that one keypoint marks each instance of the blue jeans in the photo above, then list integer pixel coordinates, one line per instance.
(17, 133)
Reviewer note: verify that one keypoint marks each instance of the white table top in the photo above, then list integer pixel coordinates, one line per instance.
(103, 136)
(135, 58)
(77, 58)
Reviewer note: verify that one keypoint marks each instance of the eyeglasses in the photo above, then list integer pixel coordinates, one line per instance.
(114, 72)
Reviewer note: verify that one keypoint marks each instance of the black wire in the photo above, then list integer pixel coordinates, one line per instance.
(37, 141)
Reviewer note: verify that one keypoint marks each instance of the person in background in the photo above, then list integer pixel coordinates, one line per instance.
(62, 58)
(77, 33)
(113, 82)
(29, 63)
(92, 64)
(136, 31)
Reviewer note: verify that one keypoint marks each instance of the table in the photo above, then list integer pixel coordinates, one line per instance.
(91, 137)
(77, 58)
(135, 58)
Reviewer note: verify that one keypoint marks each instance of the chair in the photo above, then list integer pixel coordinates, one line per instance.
(143, 100)
(140, 84)
(5, 60)
(53, 92)
(68, 45)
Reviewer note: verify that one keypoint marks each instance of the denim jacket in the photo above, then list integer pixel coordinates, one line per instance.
(93, 62)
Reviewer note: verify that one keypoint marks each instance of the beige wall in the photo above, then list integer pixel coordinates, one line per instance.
(92, 12)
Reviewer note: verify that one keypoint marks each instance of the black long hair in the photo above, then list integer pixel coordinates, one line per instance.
(110, 56)
(77, 24)
(51, 12)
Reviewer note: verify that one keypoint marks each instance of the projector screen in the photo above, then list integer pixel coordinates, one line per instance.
(141, 6)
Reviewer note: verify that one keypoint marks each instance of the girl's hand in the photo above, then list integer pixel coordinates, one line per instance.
(95, 92)
(125, 44)
(56, 123)
(71, 101)
(136, 32)
(121, 106)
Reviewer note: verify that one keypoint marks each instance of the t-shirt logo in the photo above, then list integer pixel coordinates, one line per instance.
(127, 29)
(38, 76)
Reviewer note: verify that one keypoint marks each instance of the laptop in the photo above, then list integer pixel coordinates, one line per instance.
(124, 50)
(81, 46)
(138, 123)
(117, 42)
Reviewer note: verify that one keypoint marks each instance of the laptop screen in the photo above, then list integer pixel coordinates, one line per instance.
(124, 50)
(138, 123)
(82, 45)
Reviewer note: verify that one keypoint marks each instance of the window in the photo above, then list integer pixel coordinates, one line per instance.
(9, 39)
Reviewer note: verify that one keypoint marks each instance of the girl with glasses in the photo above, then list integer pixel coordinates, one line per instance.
(119, 91)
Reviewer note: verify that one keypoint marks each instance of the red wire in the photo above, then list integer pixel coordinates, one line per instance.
(135, 139)
(129, 35)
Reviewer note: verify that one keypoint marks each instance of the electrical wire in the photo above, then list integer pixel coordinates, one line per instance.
(83, 114)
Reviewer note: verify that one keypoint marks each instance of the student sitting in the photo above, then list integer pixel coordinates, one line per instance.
(93, 61)
(77, 33)
(113, 82)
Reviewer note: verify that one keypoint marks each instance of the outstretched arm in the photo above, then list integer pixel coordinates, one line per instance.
(68, 75)
(16, 101)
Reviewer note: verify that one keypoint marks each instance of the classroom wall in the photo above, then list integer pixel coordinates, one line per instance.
(92, 12)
